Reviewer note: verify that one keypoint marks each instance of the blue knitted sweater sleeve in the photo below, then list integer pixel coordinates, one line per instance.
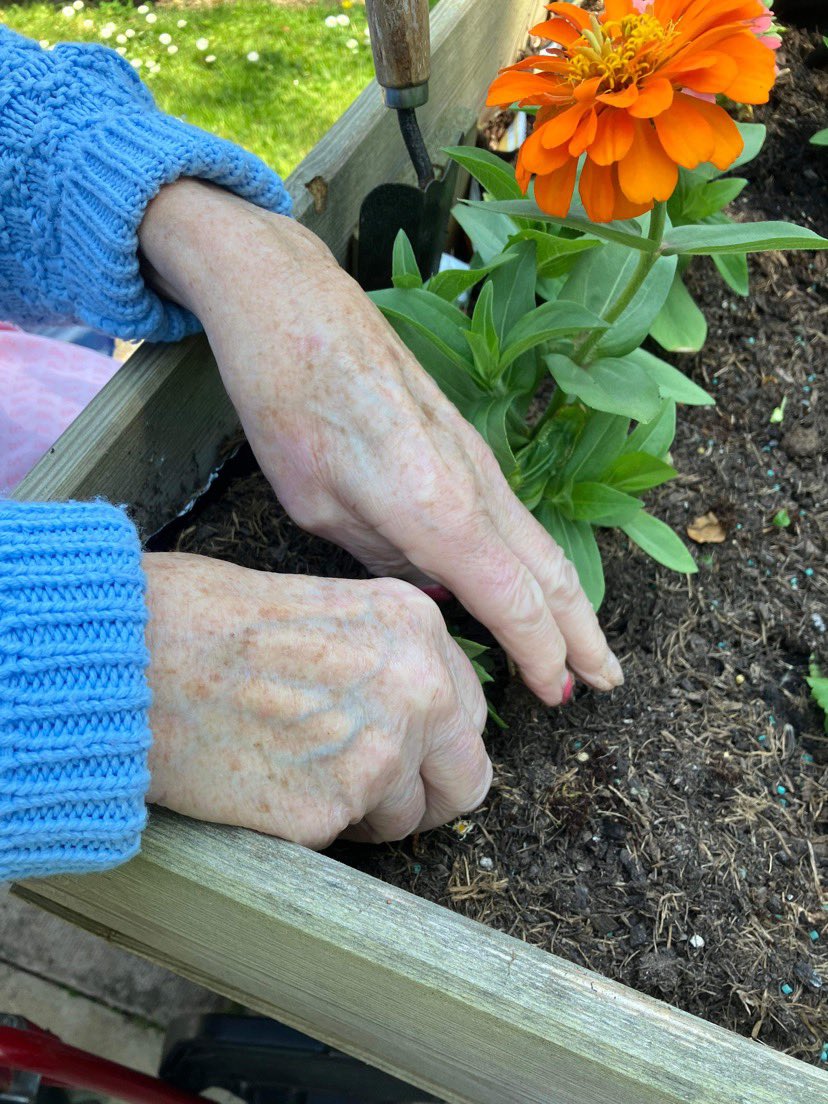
(73, 696)
(83, 150)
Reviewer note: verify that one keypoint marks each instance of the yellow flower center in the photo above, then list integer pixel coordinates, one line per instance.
(621, 52)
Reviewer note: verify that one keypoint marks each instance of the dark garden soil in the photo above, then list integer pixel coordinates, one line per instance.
(672, 835)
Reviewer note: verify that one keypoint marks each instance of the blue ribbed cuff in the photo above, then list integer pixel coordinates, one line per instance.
(74, 733)
(116, 167)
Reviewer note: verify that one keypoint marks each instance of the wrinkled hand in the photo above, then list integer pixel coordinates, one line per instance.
(301, 707)
(358, 442)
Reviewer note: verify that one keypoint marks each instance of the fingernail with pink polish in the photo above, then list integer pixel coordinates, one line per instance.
(437, 593)
(569, 686)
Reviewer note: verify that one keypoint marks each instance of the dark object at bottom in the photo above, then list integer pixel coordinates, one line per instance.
(263, 1062)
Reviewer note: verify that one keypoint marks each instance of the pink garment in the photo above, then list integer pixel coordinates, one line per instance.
(44, 385)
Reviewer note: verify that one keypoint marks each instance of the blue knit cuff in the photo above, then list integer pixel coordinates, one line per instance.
(116, 166)
(74, 733)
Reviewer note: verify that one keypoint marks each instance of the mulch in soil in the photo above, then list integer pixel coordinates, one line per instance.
(672, 835)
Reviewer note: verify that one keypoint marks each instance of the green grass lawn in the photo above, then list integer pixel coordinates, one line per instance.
(302, 76)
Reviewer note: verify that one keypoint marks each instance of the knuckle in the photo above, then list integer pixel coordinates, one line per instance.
(524, 596)
(568, 585)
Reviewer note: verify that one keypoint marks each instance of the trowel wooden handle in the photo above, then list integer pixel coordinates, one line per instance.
(402, 49)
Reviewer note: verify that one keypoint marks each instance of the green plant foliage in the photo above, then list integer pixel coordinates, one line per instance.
(565, 298)
(819, 689)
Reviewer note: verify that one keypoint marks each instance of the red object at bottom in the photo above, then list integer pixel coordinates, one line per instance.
(30, 1049)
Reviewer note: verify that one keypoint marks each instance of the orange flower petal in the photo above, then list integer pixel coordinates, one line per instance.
(728, 142)
(584, 133)
(756, 69)
(553, 193)
(557, 30)
(562, 127)
(511, 88)
(617, 9)
(597, 188)
(647, 173)
(545, 62)
(613, 138)
(535, 157)
(571, 12)
(586, 89)
(685, 133)
(624, 209)
(623, 98)
(708, 72)
(655, 96)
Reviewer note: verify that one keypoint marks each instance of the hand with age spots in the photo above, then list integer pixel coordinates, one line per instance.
(362, 448)
(306, 707)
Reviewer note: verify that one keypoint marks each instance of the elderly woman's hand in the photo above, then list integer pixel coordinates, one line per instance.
(358, 442)
(305, 707)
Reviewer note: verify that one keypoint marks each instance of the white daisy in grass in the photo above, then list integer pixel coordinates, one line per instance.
(121, 38)
(78, 5)
(151, 17)
(352, 44)
(330, 21)
(343, 20)
(165, 39)
(44, 44)
(143, 9)
(67, 12)
(210, 58)
(181, 23)
(172, 49)
(202, 44)
(253, 55)
(120, 50)
(129, 32)
(88, 24)
(136, 63)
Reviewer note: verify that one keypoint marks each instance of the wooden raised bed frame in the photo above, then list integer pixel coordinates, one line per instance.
(465, 1012)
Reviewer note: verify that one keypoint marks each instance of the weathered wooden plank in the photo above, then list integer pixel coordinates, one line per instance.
(465, 1012)
(120, 445)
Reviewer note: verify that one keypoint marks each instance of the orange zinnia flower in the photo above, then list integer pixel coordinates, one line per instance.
(634, 89)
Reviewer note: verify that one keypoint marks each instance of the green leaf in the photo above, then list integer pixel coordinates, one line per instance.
(740, 237)
(469, 648)
(443, 323)
(544, 323)
(453, 282)
(753, 135)
(680, 327)
(733, 269)
(819, 689)
(711, 197)
(405, 272)
(634, 472)
(483, 322)
(435, 335)
(556, 255)
(577, 542)
(671, 383)
(488, 230)
(514, 288)
(599, 277)
(602, 439)
(624, 233)
(489, 417)
(612, 385)
(659, 541)
(493, 173)
(656, 437)
(820, 138)
(601, 504)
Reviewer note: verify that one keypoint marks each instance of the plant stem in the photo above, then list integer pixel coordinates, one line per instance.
(640, 274)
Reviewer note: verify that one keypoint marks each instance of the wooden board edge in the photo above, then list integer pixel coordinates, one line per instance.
(444, 1002)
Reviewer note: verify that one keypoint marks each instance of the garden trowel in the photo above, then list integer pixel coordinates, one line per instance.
(402, 58)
